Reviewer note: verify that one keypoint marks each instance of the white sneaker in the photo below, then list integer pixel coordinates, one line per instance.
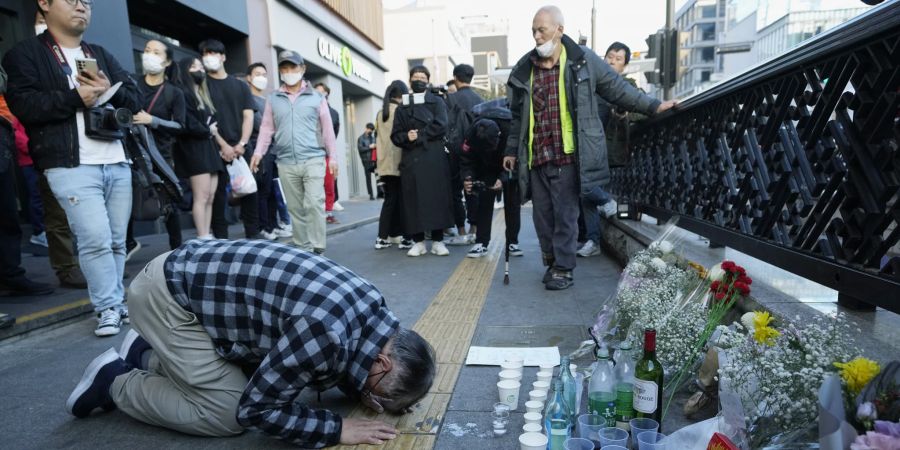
(438, 248)
(405, 243)
(477, 251)
(417, 250)
(133, 251)
(109, 322)
(514, 250)
(589, 249)
(123, 314)
(268, 235)
(609, 209)
(381, 243)
(337, 206)
(285, 226)
(460, 240)
(39, 239)
(395, 239)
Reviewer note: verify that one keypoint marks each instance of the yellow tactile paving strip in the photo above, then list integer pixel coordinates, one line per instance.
(449, 324)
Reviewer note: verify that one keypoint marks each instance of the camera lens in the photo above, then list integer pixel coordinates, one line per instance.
(123, 117)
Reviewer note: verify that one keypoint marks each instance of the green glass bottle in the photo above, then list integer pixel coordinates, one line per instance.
(648, 381)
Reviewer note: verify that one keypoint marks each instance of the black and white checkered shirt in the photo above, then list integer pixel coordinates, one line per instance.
(303, 319)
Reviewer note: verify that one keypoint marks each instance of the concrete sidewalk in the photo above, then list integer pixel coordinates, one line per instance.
(64, 304)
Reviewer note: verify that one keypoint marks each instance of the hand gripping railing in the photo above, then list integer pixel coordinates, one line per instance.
(794, 162)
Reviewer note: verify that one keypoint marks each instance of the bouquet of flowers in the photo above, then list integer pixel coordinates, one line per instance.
(874, 397)
(775, 372)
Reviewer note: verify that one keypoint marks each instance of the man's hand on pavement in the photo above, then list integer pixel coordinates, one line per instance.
(509, 163)
(665, 106)
(365, 431)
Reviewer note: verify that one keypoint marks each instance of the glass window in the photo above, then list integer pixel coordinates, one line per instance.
(707, 31)
(708, 12)
(707, 54)
(704, 76)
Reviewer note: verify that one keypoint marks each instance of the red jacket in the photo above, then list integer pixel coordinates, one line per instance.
(21, 138)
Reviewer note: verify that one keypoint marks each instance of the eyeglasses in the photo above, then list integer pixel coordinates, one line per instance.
(87, 3)
(372, 399)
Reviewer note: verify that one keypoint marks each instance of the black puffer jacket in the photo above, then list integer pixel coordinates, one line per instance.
(39, 96)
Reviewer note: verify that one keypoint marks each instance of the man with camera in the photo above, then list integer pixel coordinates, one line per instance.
(57, 88)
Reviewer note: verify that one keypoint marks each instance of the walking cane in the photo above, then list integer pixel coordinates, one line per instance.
(506, 242)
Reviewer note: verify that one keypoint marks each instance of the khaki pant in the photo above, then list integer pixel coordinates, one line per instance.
(304, 193)
(187, 387)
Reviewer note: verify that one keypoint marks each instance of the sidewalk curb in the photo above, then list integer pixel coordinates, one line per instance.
(74, 310)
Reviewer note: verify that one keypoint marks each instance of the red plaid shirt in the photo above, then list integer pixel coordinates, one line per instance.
(547, 146)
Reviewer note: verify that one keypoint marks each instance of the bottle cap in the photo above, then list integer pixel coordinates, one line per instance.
(603, 352)
(650, 340)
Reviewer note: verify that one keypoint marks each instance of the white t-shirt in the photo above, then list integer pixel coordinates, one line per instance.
(91, 151)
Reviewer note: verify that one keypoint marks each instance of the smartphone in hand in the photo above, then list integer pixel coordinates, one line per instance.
(87, 65)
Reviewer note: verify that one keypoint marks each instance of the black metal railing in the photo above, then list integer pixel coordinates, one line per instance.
(794, 162)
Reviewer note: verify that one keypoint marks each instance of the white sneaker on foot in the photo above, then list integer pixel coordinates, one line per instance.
(609, 209)
(337, 206)
(459, 240)
(39, 239)
(109, 322)
(405, 243)
(477, 251)
(381, 243)
(589, 249)
(438, 248)
(514, 250)
(268, 235)
(417, 250)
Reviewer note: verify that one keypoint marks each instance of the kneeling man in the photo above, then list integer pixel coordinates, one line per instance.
(229, 332)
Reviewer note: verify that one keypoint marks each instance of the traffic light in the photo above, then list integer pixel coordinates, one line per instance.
(668, 67)
(654, 45)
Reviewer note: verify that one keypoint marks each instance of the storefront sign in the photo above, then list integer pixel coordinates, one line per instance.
(342, 58)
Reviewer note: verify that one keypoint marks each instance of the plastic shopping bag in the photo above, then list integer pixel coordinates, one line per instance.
(242, 181)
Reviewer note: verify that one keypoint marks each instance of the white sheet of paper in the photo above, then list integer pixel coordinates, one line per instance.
(494, 356)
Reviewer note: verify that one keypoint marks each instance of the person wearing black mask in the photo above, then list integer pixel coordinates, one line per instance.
(420, 128)
(196, 155)
(163, 112)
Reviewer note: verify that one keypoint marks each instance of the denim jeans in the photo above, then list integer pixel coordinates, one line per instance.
(35, 205)
(97, 201)
(594, 199)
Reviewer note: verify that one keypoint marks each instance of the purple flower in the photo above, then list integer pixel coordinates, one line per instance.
(866, 412)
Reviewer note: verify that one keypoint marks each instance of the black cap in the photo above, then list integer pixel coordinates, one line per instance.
(291, 57)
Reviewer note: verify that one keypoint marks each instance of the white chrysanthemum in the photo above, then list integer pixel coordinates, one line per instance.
(716, 273)
(747, 320)
(658, 264)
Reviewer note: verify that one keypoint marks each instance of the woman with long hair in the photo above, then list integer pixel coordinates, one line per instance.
(197, 157)
(390, 224)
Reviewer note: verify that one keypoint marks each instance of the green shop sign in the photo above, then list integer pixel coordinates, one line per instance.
(343, 58)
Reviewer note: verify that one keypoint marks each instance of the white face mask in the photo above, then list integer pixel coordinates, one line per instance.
(292, 78)
(546, 49)
(152, 64)
(39, 29)
(260, 82)
(212, 63)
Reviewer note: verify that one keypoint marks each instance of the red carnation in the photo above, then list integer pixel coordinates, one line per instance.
(740, 270)
(745, 290)
(745, 279)
(715, 285)
(720, 295)
(728, 266)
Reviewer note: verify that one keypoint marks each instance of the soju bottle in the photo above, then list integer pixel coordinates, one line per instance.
(648, 381)
(557, 418)
(624, 386)
(602, 390)
(568, 388)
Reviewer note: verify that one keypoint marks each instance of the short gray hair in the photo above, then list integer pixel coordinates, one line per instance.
(555, 13)
(413, 372)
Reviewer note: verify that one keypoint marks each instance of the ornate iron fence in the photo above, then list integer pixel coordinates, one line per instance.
(795, 161)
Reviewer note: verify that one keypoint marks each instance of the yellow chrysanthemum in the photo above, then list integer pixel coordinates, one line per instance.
(857, 373)
(762, 332)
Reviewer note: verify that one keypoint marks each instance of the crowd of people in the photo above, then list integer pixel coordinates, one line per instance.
(205, 358)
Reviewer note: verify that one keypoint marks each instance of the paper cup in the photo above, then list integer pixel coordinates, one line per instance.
(534, 406)
(540, 386)
(573, 368)
(540, 396)
(545, 375)
(511, 365)
(510, 375)
(547, 368)
(532, 441)
(532, 428)
(533, 418)
(509, 393)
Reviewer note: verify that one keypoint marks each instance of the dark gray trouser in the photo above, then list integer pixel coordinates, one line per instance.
(554, 194)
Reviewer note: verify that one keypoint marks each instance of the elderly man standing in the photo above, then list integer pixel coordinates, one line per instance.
(298, 118)
(556, 135)
(211, 313)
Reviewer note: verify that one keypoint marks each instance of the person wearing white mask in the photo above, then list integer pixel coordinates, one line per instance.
(234, 113)
(297, 117)
(551, 89)
(257, 77)
(163, 111)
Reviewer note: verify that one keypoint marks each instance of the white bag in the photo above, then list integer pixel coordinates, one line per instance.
(242, 181)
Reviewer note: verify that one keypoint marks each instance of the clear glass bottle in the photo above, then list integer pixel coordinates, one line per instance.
(602, 390)
(624, 385)
(557, 418)
(568, 388)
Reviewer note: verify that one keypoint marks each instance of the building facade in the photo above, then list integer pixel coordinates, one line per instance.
(340, 40)
(699, 22)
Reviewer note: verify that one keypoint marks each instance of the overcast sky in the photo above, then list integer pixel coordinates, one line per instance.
(628, 21)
